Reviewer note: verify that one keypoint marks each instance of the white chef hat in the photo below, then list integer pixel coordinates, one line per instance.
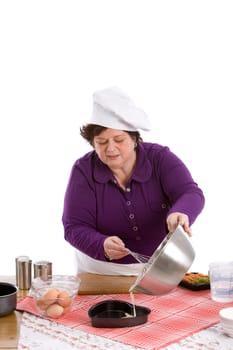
(112, 108)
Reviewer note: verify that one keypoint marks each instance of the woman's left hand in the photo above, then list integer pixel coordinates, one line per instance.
(114, 248)
(181, 219)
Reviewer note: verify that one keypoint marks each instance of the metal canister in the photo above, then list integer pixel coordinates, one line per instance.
(23, 266)
(43, 269)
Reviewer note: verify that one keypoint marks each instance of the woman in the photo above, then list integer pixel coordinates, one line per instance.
(125, 195)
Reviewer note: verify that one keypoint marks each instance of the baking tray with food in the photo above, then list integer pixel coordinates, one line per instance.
(195, 281)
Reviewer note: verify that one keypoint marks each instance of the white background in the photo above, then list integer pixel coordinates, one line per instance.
(173, 57)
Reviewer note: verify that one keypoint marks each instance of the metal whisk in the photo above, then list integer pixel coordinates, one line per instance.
(139, 257)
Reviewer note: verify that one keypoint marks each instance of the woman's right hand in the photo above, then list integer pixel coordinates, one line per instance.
(178, 218)
(114, 248)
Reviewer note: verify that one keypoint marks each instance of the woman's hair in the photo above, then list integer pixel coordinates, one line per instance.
(89, 131)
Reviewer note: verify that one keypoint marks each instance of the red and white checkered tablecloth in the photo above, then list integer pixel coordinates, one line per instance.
(173, 317)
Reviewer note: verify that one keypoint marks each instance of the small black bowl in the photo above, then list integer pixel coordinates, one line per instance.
(8, 298)
(117, 313)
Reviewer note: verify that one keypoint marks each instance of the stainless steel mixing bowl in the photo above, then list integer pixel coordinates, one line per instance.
(167, 266)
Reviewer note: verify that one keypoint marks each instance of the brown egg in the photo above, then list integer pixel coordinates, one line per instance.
(64, 299)
(40, 303)
(54, 310)
(50, 296)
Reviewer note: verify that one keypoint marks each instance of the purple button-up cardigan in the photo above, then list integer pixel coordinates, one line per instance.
(96, 207)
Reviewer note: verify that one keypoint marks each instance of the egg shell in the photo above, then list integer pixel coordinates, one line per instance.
(54, 311)
(66, 309)
(50, 296)
(64, 299)
(41, 305)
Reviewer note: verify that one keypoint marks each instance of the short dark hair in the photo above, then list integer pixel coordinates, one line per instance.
(89, 131)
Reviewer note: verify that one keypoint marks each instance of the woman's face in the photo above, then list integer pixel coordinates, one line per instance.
(115, 148)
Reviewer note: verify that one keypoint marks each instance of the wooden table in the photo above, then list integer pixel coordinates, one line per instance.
(90, 284)
(10, 324)
(97, 284)
(9, 330)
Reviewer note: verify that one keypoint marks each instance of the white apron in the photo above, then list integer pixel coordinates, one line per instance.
(87, 264)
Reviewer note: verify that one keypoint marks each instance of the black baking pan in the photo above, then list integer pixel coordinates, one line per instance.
(117, 313)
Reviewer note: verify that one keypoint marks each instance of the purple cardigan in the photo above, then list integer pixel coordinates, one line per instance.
(96, 207)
